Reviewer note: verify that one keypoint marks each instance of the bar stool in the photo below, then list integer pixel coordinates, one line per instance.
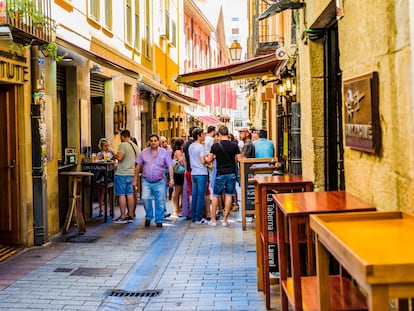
(75, 206)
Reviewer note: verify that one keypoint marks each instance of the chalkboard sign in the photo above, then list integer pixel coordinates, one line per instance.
(248, 195)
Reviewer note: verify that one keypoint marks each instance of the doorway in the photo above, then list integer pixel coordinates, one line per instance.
(9, 165)
(334, 149)
(97, 89)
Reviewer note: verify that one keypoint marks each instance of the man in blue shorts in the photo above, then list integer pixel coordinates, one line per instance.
(124, 176)
(226, 152)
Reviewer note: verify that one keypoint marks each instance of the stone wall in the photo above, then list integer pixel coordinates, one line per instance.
(373, 36)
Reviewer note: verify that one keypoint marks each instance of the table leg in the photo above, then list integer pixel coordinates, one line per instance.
(259, 242)
(69, 214)
(78, 205)
(293, 224)
(322, 269)
(283, 262)
(106, 195)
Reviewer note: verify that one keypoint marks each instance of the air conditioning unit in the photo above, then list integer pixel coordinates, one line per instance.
(281, 53)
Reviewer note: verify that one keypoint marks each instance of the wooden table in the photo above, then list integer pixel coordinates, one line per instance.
(99, 166)
(75, 198)
(265, 186)
(294, 238)
(375, 248)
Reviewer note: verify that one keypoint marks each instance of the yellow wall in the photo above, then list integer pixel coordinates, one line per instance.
(373, 36)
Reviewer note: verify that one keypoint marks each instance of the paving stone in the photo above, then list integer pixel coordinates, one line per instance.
(195, 268)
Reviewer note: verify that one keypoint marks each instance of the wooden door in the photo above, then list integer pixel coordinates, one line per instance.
(9, 173)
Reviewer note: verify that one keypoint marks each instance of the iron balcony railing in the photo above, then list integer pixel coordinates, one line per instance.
(26, 21)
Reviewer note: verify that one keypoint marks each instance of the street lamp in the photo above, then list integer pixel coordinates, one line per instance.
(235, 51)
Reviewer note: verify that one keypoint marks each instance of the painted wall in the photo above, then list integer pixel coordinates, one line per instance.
(373, 36)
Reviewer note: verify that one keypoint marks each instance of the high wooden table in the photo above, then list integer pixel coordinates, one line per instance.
(266, 227)
(75, 206)
(294, 238)
(375, 248)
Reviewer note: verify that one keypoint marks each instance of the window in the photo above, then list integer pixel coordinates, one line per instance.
(173, 34)
(99, 9)
(133, 24)
(108, 14)
(137, 26)
(94, 9)
(147, 34)
(235, 31)
(128, 22)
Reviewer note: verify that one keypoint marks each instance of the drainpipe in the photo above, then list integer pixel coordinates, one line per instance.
(38, 147)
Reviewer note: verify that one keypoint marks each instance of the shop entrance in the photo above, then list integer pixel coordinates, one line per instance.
(9, 168)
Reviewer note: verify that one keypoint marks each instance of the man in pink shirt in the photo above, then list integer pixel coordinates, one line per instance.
(152, 162)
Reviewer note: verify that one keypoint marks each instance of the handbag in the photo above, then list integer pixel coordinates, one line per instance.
(178, 168)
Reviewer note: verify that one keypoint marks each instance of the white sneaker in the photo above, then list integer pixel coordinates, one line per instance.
(225, 223)
(201, 222)
(212, 223)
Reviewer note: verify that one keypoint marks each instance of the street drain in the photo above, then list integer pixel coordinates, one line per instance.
(67, 270)
(93, 272)
(145, 293)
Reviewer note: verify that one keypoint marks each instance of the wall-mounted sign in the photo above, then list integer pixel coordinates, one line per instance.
(13, 67)
(361, 100)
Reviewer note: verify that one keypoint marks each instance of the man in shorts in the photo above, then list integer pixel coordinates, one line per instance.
(226, 154)
(124, 177)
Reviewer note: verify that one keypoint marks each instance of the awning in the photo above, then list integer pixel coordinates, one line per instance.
(266, 65)
(208, 120)
(175, 97)
(203, 117)
(279, 7)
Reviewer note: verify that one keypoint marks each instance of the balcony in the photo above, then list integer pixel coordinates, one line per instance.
(26, 21)
(263, 45)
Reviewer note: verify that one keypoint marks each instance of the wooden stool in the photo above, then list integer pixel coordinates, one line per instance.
(75, 206)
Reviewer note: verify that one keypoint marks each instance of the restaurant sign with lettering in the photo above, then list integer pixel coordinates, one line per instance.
(13, 67)
(361, 101)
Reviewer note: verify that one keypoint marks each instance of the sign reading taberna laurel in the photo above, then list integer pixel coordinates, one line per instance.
(361, 101)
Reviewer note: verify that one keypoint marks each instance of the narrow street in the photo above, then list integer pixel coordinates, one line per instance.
(130, 267)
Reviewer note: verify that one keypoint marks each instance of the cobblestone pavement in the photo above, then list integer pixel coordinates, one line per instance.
(129, 267)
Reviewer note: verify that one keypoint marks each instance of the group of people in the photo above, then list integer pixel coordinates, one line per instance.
(211, 166)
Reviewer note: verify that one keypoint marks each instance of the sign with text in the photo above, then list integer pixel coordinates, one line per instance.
(248, 187)
(362, 128)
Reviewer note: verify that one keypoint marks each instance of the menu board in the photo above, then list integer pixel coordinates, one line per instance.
(246, 174)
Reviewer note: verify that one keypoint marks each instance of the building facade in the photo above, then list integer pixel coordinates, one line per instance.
(354, 93)
(101, 67)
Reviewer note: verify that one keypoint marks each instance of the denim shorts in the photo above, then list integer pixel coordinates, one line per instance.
(123, 185)
(225, 182)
